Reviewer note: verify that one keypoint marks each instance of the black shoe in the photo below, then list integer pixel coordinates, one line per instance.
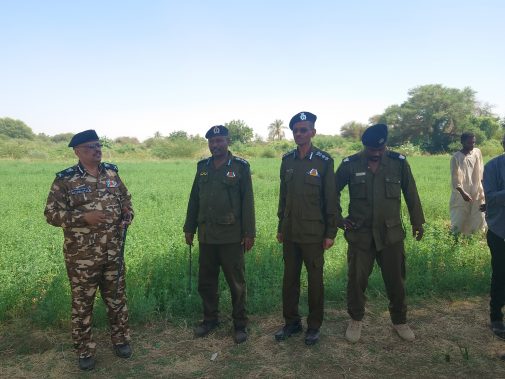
(240, 335)
(498, 329)
(123, 350)
(87, 363)
(288, 330)
(205, 328)
(311, 337)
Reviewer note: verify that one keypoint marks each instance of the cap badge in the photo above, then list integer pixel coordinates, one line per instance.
(303, 117)
(216, 130)
(381, 141)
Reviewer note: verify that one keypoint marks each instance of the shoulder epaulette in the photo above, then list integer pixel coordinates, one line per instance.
(288, 153)
(322, 155)
(351, 158)
(110, 166)
(203, 160)
(67, 172)
(395, 155)
(241, 160)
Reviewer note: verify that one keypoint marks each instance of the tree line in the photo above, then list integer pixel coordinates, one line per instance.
(431, 120)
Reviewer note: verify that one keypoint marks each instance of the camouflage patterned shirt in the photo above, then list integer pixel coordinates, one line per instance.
(74, 192)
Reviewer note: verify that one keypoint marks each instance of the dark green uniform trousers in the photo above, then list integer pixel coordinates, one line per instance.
(391, 260)
(230, 257)
(312, 255)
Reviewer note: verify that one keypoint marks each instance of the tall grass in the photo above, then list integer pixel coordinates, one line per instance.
(33, 280)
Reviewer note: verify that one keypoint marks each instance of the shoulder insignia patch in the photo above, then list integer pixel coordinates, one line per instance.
(241, 160)
(110, 166)
(291, 152)
(67, 172)
(395, 155)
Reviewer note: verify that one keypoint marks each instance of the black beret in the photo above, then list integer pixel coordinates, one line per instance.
(302, 116)
(82, 137)
(215, 131)
(375, 136)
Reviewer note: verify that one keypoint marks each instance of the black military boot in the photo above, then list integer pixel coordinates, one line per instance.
(498, 328)
(311, 337)
(205, 328)
(287, 330)
(123, 350)
(240, 335)
(87, 363)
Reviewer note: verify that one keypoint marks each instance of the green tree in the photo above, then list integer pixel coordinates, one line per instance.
(489, 125)
(352, 130)
(276, 131)
(127, 140)
(178, 135)
(15, 129)
(433, 116)
(239, 131)
(62, 137)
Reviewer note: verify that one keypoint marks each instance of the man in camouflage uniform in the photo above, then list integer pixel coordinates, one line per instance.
(307, 225)
(221, 207)
(376, 179)
(92, 205)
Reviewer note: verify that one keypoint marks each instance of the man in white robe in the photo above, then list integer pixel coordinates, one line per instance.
(467, 193)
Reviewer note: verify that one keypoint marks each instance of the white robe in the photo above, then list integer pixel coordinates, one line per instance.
(466, 173)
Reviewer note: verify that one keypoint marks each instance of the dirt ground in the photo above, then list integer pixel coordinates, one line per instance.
(452, 340)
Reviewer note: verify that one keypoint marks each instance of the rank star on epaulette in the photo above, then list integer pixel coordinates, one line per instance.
(313, 172)
(67, 172)
(322, 156)
(230, 174)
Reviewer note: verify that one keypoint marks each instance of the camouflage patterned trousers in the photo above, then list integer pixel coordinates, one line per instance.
(92, 263)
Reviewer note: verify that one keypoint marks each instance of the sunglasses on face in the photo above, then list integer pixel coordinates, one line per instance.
(93, 146)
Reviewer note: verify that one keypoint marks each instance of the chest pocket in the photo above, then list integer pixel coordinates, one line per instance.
(230, 181)
(203, 180)
(393, 187)
(79, 195)
(357, 187)
(312, 185)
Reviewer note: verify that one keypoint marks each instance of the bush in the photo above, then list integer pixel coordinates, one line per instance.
(491, 148)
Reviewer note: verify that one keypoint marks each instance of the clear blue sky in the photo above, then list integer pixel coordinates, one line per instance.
(136, 67)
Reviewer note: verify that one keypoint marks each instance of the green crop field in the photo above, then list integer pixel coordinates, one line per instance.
(33, 282)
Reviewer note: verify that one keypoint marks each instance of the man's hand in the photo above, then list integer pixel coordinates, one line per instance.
(464, 195)
(347, 224)
(94, 217)
(327, 243)
(248, 243)
(189, 238)
(417, 232)
(280, 238)
(126, 217)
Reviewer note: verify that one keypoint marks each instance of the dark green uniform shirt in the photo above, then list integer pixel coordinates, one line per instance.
(307, 198)
(375, 199)
(221, 203)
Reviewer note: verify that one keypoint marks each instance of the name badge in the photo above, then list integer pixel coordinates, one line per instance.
(360, 173)
(79, 190)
